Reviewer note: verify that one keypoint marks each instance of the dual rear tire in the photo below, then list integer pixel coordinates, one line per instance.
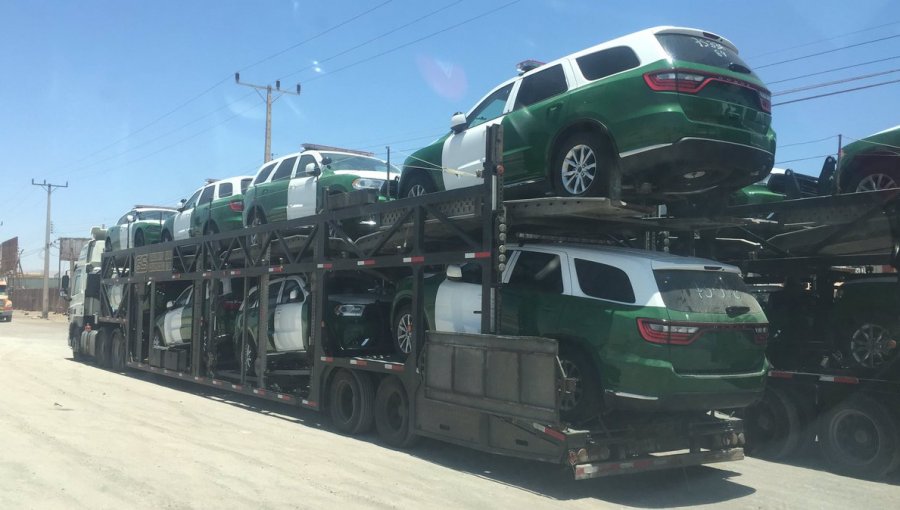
(355, 406)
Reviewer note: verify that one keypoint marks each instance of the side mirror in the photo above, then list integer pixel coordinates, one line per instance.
(170, 305)
(312, 169)
(181, 203)
(326, 160)
(454, 272)
(64, 285)
(458, 122)
(129, 218)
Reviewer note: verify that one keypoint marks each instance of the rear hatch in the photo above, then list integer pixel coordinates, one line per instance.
(715, 325)
(713, 84)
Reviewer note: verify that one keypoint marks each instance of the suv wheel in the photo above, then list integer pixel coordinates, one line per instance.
(584, 402)
(875, 181)
(418, 184)
(581, 167)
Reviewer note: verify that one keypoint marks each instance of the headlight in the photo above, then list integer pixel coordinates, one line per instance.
(349, 310)
(363, 183)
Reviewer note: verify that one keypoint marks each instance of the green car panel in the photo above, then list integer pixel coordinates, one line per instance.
(680, 141)
(871, 163)
(216, 207)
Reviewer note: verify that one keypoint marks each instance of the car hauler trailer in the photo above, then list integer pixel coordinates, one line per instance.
(825, 391)
(485, 391)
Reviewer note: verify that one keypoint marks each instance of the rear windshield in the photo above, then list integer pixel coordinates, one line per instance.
(704, 291)
(702, 51)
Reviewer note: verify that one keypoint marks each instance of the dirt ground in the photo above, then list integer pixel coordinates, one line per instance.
(75, 436)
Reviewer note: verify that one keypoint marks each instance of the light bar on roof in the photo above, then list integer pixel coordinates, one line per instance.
(528, 65)
(140, 206)
(317, 147)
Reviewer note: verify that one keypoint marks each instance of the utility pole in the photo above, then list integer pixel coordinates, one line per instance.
(269, 100)
(45, 302)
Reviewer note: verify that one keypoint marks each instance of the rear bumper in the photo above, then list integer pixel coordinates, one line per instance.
(655, 463)
(708, 401)
(695, 165)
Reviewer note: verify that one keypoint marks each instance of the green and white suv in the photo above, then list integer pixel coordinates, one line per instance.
(289, 187)
(138, 227)
(676, 109)
(216, 207)
(637, 329)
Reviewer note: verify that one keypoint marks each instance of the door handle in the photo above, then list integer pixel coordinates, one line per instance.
(555, 108)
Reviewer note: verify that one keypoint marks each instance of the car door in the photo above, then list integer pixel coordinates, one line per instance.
(538, 108)
(182, 222)
(301, 198)
(291, 333)
(125, 230)
(200, 215)
(457, 304)
(173, 332)
(464, 151)
(272, 196)
(531, 294)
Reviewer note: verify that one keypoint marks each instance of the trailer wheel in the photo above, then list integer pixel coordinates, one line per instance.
(351, 402)
(117, 352)
(772, 426)
(101, 349)
(392, 414)
(808, 420)
(859, 437)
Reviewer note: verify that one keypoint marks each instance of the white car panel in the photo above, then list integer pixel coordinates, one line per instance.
(301, 199)
(172, 327)
(182, 224)
(290, 329)
(456, 306)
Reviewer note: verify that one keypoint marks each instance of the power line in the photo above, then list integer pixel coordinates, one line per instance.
(834, 82)
(227, 78)
(780, 146)
(844, 91)
(832, 70)
(827, 51)
(801, 159)
(410, 43)
(369, 41)
(782, 50)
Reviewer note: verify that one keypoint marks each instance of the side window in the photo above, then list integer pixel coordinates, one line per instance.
(471, 273)
(284, 169)
(537, 271)
(207, 195)
(273, 293)
(264, 173)
(604, 281)
(541, 85)
(304, 160)
(191, 202)
(76, 286)
(603, 63)
(491, 107)
(226, 189)
(290, 286)
(245, 183)
(184, 298)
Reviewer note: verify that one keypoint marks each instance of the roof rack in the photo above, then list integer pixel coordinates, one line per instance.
(317, 147)
(144, 206)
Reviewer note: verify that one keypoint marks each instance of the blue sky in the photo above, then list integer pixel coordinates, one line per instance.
(88, 85)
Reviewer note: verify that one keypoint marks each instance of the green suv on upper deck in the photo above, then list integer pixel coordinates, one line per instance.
(675, 109)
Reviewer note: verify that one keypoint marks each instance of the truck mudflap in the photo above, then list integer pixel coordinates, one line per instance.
(655, 463)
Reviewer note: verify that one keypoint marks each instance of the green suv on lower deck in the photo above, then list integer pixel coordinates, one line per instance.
(675, 109)
(638, 330)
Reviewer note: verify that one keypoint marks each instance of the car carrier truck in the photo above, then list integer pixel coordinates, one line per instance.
(480, 389)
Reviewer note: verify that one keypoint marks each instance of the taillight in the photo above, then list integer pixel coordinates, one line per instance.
(236, 205)
(765, 100)
(683, 333)
(761, 334)
(659, 332)
(676, 81)
(231, 305)
(8, 305)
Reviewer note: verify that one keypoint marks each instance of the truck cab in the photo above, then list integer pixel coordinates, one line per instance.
(84, 302)
(6, 304)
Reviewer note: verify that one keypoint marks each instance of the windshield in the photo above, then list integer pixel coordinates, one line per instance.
(2, 289)
(704, 291)
(352, 162)
(155, 214)
(701, 50)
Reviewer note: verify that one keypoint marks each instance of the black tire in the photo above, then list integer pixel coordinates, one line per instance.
(808, 417)
(584, 403)
(101, 352)
(867, 342)
(75, 335)
(247, 357)
(256, 219)
(139, 238)
(402, 331)
(587, 157)
(418, 184)
(772, 426)
(392, 414)
(351, 402)
(117, 352)
(859, 437)
(165, 237)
